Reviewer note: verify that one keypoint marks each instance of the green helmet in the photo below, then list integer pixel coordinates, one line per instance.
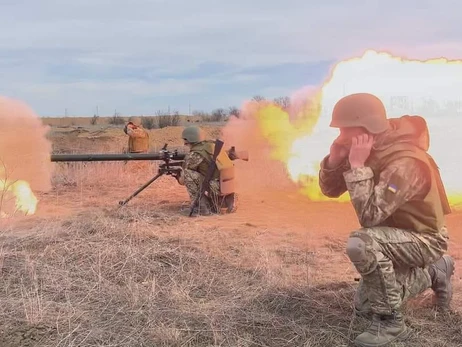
(360, 110)
(193, 134)
(135, 120)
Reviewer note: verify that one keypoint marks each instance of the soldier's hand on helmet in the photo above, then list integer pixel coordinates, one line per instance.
(338, 153)
(360, 150)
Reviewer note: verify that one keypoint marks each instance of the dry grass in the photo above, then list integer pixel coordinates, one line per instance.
(117, 279)
(83, 272)
(104, 121)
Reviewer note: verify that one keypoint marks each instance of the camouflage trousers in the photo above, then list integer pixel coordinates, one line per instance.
(193, 182)
(393, 265)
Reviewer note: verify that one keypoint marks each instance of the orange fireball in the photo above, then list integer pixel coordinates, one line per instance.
(25, 164)
(429, 88)
(25, 200)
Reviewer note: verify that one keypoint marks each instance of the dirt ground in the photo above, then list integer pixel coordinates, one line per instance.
(83, 271)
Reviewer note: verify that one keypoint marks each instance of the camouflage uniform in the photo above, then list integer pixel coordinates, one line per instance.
(397, 259)
(196, 165)
(192, 179)
(400, 202)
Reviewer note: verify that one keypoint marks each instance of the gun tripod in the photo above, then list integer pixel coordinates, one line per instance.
(139, 190)
(164, 169)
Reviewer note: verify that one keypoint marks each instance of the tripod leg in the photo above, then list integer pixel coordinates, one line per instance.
(144, 186)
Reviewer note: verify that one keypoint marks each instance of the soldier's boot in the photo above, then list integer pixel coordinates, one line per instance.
(203, 208)
(441, 273)
(231, 203)
(366, 314)
(383, 330)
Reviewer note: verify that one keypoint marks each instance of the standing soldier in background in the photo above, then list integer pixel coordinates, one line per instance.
(399, 198)
(138, 137)
(195, 167)
(138, 142)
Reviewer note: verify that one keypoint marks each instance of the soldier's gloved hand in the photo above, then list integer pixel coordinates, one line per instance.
(338, 153)
(179, 176)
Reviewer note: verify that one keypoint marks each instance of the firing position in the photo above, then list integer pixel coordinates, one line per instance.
(138, 137)
(194, 170)
(400, 201)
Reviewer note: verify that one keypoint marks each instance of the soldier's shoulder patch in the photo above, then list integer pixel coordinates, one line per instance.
(195, 155)
(392, 188)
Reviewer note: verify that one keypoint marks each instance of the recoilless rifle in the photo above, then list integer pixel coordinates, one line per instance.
(172, 162)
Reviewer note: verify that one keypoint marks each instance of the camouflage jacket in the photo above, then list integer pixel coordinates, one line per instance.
(403, 180)
(191, 162)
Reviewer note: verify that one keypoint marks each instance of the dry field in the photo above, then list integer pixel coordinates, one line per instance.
(101, 121)
(84, 272)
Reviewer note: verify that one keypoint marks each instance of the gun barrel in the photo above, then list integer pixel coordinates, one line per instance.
(114, 157)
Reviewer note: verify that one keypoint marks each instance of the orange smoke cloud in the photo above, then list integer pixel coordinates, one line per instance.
(261, 172)
(267, 131)
(24, 157)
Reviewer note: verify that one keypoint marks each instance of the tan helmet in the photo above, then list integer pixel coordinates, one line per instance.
(135, 120)
(360, 110)
(193, 134)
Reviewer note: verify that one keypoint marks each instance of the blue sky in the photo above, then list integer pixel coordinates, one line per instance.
(141, 56)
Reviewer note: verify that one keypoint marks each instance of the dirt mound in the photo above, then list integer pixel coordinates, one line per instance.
(114, 140)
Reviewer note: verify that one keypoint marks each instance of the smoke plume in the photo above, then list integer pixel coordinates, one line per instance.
(266, 131)
(24, 149)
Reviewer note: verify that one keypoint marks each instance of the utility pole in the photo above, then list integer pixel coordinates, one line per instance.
(97, 111)
(65, 112)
